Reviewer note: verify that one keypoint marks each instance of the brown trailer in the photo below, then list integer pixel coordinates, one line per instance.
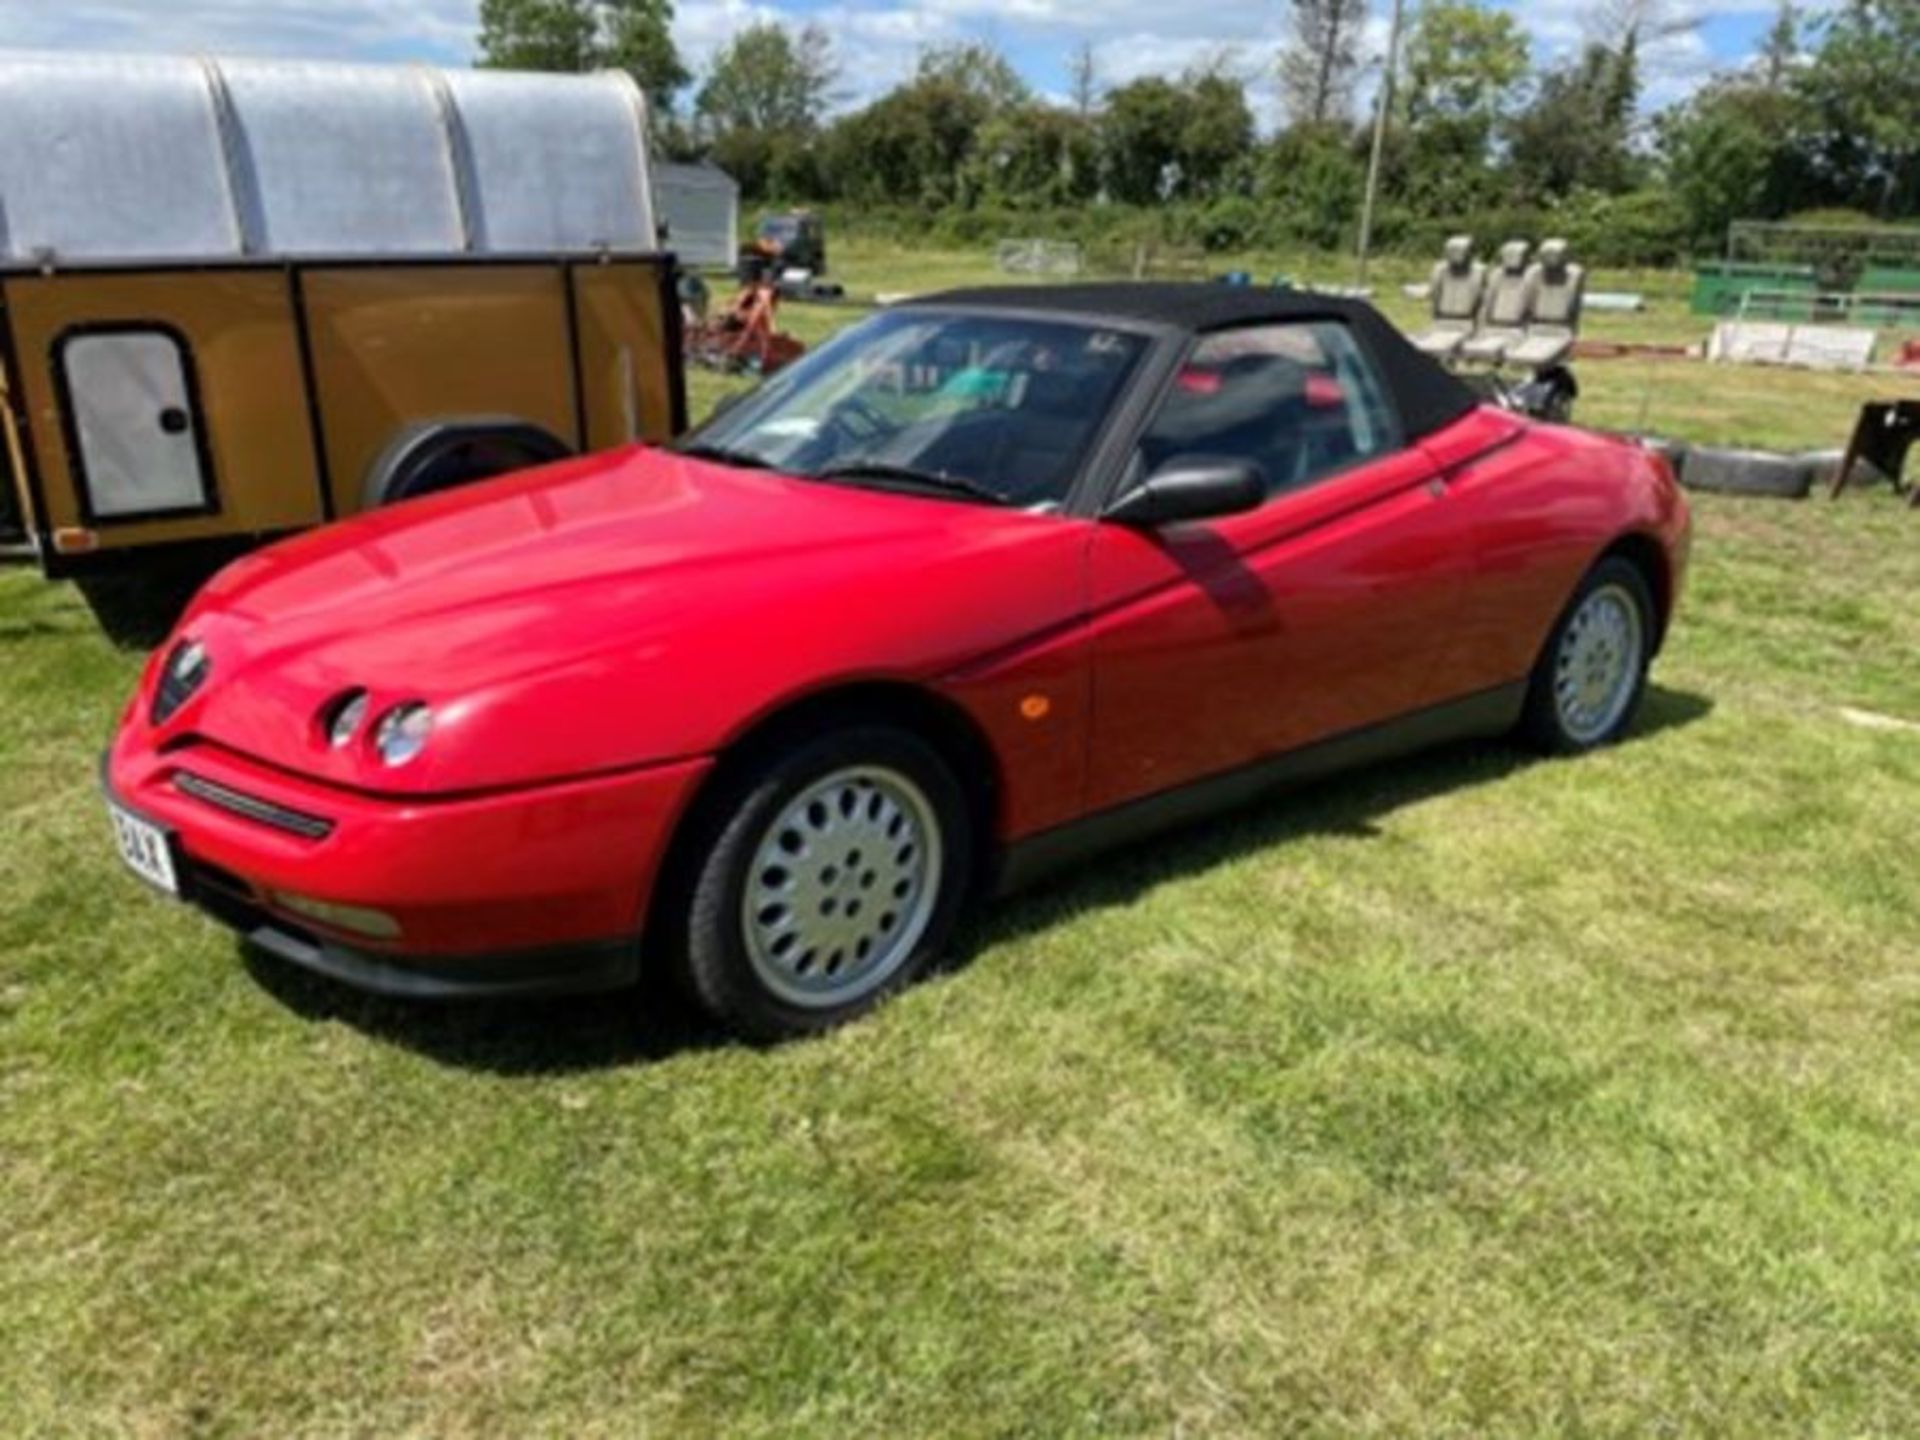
(239, 299)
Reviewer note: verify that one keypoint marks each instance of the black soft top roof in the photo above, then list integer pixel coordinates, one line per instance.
(1426, 395)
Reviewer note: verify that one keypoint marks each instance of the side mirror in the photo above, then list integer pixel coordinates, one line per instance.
(1194, 487)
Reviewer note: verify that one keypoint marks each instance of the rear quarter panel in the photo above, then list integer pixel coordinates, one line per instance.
(1542, 503)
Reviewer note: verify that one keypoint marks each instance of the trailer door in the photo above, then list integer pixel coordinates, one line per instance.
(138, 431)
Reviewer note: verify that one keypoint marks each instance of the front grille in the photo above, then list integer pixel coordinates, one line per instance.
(252, 807)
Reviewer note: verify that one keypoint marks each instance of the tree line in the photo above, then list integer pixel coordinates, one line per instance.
(1825, 117)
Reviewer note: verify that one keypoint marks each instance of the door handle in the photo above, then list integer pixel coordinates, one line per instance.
(1437, 486)
(174, 421)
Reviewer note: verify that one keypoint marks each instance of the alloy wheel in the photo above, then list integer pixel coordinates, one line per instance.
(1598, 665)
(844, 883)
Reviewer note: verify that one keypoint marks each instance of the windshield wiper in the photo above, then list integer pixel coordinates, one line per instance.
(720, 454)
(907, 475)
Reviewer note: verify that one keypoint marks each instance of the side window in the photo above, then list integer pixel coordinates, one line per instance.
(1299, 400)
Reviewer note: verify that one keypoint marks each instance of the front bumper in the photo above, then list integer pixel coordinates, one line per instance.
(533, 891)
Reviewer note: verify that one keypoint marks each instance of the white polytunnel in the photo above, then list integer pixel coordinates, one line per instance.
(130, 159)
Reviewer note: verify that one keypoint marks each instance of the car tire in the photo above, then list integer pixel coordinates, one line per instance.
(1826, 469)
(1588, 682)
(1747, 472)
(821, 878)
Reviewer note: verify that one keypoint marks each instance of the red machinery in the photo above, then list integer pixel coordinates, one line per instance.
(745, 336)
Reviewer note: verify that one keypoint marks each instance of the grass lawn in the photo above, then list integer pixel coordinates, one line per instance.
(1468, 1095)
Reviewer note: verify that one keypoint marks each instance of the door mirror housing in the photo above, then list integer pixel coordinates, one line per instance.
(1194, 487)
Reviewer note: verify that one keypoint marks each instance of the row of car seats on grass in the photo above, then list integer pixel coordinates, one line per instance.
(1514, 313)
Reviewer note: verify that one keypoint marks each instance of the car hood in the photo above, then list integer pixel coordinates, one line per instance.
(607, 612)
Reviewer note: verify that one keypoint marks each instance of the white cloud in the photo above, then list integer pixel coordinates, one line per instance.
(320, 29)
(876, 42)
(877, 49)
(700, 26)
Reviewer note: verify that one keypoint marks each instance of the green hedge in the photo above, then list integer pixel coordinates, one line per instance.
(1642, 228)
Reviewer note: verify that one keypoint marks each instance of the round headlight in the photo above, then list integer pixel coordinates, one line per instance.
(344, 716)
(402, 732)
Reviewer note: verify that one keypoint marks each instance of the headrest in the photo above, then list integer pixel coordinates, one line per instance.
(1553, 254)
(1245, 390)
(1459, 251)
(1513, 255)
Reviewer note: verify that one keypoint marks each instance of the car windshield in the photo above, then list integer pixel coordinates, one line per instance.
(988, 408)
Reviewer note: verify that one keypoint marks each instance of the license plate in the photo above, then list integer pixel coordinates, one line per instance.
(145, 848)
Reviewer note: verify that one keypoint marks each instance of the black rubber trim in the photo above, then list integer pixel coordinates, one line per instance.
(1488, 712)
(310, 389)
(673, 327)
(252, 807)
(575, 369)
(573, 970)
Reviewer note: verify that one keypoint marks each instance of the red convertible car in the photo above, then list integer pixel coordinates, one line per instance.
(993, 579)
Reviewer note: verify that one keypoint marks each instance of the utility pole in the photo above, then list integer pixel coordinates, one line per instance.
(1382, 106)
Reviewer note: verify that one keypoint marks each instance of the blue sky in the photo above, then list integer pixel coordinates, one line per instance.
(876, 42)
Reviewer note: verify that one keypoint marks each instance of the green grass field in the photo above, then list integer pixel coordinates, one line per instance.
(1471, 1095)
